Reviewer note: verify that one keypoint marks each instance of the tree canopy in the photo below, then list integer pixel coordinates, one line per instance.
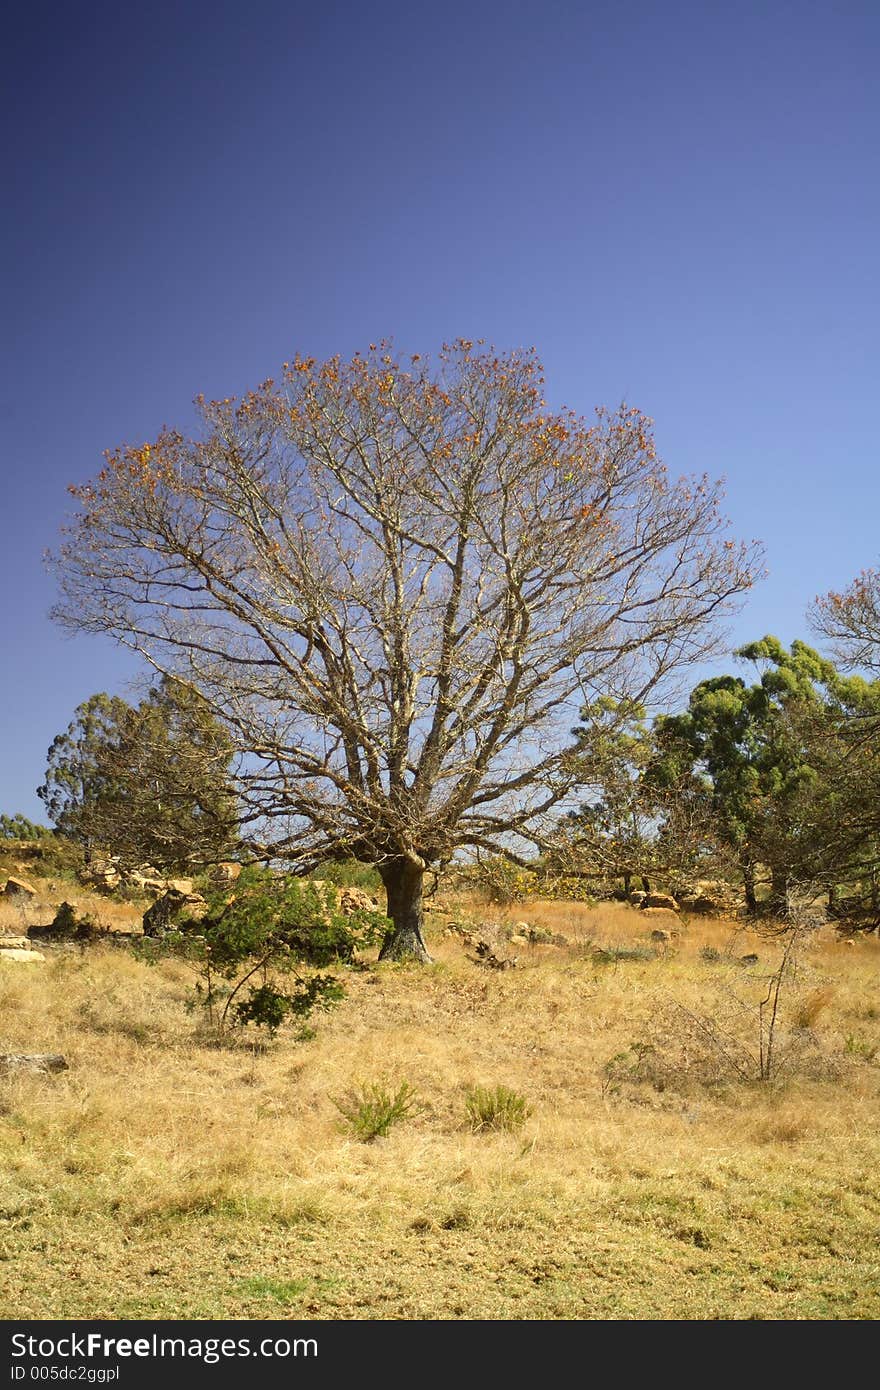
(788, 775)
(149, 784)
(396, 584)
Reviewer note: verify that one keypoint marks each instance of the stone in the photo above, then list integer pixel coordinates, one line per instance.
(660, 936)
(166, 910)
(33, 1061)
(637, 897)
(664, 917)
(18, 890)
(540, 936)
(183, 886)
(659, 900)
(227, 872)
(704, 905)
(14, 943)
(486, 956)
(355, 900)
(25, 957)
(146, 881)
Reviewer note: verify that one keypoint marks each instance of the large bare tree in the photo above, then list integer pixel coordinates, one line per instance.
(397, 584)
(851, 621)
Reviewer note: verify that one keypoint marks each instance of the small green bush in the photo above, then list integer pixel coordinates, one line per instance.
(613, 955)
(372, 1109)
(496, 1107)
(254, 950)
(348, 873)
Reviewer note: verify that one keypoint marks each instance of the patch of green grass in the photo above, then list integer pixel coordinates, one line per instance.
(371, 1110)
(281, 1291)
(496, 1107)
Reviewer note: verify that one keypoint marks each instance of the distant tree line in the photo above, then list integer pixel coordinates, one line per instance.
(774, 782)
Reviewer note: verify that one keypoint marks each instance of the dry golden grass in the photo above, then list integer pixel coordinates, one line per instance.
(164, 1175)
(106, 912)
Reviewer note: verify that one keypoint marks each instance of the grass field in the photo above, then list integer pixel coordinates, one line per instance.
(165, 1175)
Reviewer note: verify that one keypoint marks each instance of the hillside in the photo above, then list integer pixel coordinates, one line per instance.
(165, 1174)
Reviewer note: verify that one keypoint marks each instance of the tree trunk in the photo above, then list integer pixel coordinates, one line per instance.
(627, 883)
(646, 884)
(779, 886)
(748, 873)
(403, 886)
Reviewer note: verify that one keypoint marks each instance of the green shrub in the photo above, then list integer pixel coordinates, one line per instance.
(250, 946)
(496, 1107)
(348, 873)
(372, 1109)
(612, 955)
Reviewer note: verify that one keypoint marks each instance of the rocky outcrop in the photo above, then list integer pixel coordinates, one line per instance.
(656, 900)
(19, 892)
(351, 900)
(345, 900)
(169, 909)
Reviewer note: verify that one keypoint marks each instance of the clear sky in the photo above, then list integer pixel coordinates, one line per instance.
(677, 203)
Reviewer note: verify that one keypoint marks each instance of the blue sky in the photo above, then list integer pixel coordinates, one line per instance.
(677, 203)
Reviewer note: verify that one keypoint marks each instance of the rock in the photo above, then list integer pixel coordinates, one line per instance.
(184, 886)
(659, 900)
(26, 957)
(519, 940)
(539, 936)
(486, 956)
(637, 898)
(14, 943)
(227, 872)
(665, 918)
(660, 936)
(18, 890)
(166, 911)
(32, 1061)
(704, 904)
(351, 900)
(145, 881)
(750, 959)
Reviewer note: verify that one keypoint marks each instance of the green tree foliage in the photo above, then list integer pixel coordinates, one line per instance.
(647, 815)
(19, 827)
(779, 759)
(257, 951)
(150, 784)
